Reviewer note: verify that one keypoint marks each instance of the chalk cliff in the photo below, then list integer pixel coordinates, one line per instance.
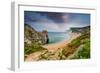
(32, 36)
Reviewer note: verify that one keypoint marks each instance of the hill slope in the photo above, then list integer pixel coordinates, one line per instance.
(82, 43)
(33, 40)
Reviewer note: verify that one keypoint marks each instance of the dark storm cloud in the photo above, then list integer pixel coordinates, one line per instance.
(56, 17)
(38, 16)
(55, 21)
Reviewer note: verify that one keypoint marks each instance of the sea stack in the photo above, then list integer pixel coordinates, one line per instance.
(46, 38)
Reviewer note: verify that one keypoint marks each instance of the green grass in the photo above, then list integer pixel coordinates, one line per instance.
(84, 41)
(85, 52)
(28, 49)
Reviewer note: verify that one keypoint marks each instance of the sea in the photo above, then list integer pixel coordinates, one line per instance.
(55, 37)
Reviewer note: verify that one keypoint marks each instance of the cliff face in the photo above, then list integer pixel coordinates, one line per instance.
(32, 36)
(80, 30)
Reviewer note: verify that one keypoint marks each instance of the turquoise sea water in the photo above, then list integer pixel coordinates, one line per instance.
(55, 37)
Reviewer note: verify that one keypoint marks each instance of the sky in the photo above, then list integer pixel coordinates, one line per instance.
(55, 21)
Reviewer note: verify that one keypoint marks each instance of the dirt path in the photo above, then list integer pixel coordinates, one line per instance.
(34, 56)
(75, 53)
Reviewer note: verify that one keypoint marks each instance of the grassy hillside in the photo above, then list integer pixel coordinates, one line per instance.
(32, 40)
(82, 43)
(79, 48)
(84, 53)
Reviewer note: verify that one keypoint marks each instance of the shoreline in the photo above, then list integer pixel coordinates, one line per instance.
(51, 48)
(55, 46)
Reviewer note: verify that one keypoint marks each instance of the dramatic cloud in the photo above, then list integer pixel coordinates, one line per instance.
(55, 22)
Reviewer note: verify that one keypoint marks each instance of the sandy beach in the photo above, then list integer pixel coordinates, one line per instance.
(51, 48)
(62, 44)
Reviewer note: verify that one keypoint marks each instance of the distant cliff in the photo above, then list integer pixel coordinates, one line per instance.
(33, 36)
(80, 29)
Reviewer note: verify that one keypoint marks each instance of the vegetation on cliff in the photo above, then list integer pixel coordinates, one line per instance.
(82, 43)
(79, 48)
(80, 29)
(33, 36)
(33, 40)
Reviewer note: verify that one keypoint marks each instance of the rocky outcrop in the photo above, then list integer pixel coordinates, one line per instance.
(32, 36)
(45, 36)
